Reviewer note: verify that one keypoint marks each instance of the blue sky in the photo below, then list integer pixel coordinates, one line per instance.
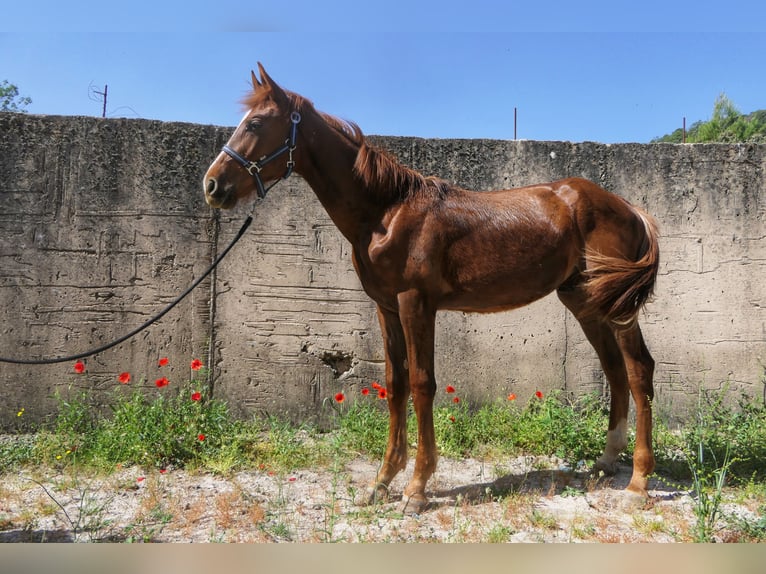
(580, 71)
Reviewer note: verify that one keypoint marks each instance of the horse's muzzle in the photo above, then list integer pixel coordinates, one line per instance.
(218, 196)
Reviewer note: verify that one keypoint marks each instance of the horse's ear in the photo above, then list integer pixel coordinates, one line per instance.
(278, 93)
(254, 78)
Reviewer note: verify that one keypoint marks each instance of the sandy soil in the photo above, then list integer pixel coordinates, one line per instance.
(518, 500)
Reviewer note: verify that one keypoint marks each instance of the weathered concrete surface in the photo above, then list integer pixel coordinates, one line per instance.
(101, 226)
(102, 222)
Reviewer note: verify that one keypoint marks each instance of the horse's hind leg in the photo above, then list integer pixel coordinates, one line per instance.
(639, 366)
(603, 341)
(628, 367)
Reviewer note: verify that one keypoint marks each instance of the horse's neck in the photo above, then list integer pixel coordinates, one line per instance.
(328, 168)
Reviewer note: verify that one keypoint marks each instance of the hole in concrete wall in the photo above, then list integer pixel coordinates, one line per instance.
(339, 361)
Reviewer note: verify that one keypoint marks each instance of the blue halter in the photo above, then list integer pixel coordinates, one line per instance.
(254, 167)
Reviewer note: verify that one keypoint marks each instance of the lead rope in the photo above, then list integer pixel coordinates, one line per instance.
(157, 317)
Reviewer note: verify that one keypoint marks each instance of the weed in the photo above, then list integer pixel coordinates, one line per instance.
(753, 530)
(542, 520)
(363, 428)
(499, 533)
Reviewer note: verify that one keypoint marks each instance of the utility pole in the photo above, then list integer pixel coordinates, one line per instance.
(103, 97)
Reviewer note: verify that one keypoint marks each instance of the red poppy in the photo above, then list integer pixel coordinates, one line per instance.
(140, 479)
(196, 365)
(200, 437)
(124, 378)
(163, 361)
(292, 479)
(452, 419)
(456, 400)
(450, 389)
(196, 396)
(365, 391)
(163, 470)
(79, 367)
(163, 382)
(512, 397)
(376, 386)
(382, 393)
(539, 394)
(340, 397)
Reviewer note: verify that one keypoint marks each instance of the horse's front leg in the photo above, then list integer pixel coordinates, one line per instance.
(397, 394)
(418, 322)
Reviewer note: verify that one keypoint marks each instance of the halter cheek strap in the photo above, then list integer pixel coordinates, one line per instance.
(254, 167)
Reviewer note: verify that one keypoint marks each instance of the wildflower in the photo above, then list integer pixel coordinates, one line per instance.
(20, 413)
(140, 479)
(456, 400)
(196, 396)
(163, 470)
(196, 365)
(512, 397)
(376, 386)
(79, 367)
(539, 394)
(340, 397)
(163, 361)
(450, 389)
(124, 378)
(292, 479)
(382, 393)
(365, 391)
(163, 382)
(452, 419)
(201, 437)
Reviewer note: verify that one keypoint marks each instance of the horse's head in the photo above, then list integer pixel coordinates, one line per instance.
(260, 151)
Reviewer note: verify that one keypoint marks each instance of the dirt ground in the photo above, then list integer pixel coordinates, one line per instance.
(525, 499)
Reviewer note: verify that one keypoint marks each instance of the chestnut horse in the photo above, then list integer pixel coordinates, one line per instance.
(421, 245)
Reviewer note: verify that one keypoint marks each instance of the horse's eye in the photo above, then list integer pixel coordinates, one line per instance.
(253, 125)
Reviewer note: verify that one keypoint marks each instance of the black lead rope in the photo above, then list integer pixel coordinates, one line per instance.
(134, 332)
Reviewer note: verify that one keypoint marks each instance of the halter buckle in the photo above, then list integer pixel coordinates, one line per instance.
(253, 165)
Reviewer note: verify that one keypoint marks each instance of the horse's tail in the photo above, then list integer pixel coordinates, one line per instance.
(618, 287)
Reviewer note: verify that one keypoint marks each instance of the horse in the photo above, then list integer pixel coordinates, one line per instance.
(421, 245)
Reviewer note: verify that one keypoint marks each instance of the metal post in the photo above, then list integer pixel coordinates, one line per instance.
(514, 122)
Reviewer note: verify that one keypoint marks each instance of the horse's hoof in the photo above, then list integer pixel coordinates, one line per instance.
(413, 505)
(373, 494)
(608, 468)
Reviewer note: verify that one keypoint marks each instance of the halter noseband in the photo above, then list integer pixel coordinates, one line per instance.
(254, 167)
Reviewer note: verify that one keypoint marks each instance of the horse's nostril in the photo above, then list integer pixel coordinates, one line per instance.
(212, 185)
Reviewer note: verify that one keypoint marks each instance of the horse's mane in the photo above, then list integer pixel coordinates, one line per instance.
(377, 170)
(382, 173)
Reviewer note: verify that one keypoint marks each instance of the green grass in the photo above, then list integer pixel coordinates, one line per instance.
(166, 428)
(573, 430)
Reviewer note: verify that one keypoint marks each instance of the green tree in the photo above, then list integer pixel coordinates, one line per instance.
(10, 101)
(727, 124)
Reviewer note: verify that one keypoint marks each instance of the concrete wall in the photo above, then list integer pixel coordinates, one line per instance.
(102, 222)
